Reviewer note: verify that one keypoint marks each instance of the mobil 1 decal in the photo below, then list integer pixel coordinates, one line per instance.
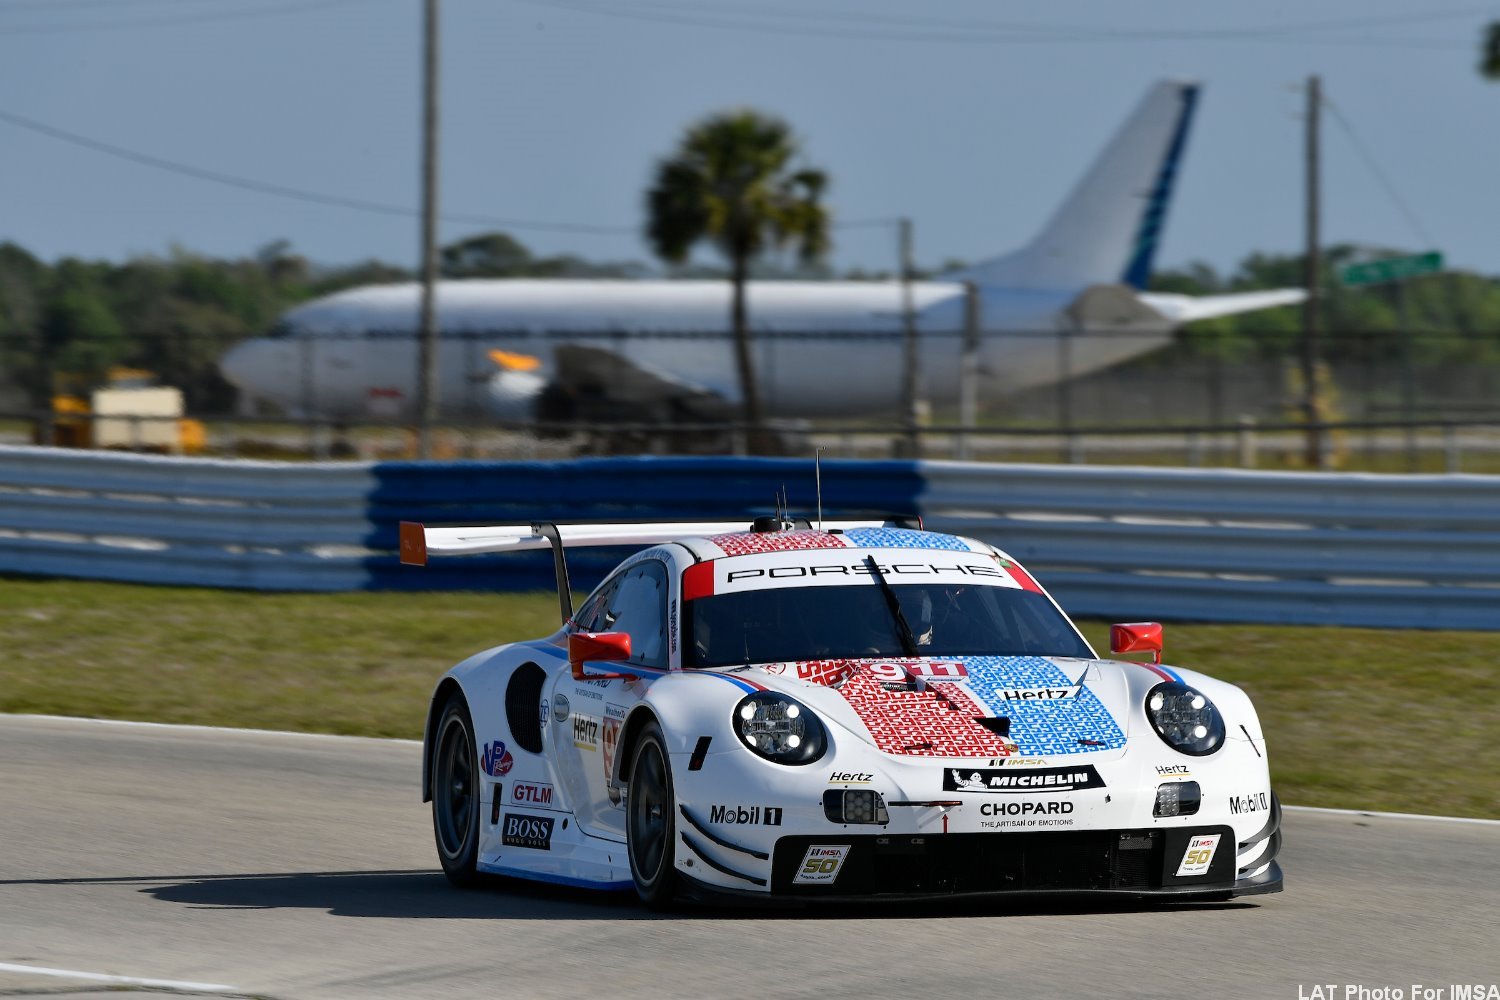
(1252, 802)
(1021, 781)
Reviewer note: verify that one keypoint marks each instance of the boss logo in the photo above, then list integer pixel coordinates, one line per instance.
(521, 830)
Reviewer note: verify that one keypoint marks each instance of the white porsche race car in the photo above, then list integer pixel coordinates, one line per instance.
(864, 709)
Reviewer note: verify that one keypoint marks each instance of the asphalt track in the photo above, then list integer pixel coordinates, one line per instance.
(231, 862)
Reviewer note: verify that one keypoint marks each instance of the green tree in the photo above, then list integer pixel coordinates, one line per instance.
(488, 255)
(1489, 59)
(732, 182)
(23, 283)
(79, 330)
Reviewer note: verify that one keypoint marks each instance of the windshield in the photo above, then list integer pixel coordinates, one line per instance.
(829, 623)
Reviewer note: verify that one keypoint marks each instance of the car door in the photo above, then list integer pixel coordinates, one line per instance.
(633, 601)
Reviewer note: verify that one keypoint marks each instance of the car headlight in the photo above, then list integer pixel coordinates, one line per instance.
(779, 729)
(1185, 719)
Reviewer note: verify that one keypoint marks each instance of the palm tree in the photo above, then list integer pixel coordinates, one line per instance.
(730, 182)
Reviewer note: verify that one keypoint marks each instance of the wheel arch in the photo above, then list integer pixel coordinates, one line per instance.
(445, 689)
(630, 735)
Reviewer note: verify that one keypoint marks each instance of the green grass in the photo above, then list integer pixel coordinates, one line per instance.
(1407, 721)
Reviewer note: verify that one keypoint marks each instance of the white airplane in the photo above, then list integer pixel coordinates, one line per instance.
(654, 350)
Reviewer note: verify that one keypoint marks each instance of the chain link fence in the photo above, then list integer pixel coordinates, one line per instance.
(1430, 401)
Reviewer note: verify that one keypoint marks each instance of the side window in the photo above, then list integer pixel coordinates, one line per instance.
(589, 618)
(639, 606)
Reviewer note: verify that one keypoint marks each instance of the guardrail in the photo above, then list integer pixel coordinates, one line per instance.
(1229, 545)
(1121, 543)
(1439, 443)
(305, 526)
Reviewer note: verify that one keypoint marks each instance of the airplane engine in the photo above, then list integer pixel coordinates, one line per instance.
(512, 395)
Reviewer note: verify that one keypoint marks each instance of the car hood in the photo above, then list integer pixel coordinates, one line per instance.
(973, 706)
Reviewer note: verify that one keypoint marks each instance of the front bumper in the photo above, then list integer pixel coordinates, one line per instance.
(1132, 862)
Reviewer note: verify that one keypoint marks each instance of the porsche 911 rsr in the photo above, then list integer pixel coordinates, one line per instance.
(859, 710)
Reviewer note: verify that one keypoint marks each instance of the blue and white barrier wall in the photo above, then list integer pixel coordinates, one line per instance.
(1120, 543)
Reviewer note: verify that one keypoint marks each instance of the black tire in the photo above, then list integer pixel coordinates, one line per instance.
(456, 792)
(650, 820)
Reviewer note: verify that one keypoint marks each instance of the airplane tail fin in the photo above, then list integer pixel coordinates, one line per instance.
(1107, 230)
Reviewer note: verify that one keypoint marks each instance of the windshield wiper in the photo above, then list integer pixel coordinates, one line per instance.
(903, 630)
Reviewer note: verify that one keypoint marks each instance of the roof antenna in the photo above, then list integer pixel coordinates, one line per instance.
(818, 480)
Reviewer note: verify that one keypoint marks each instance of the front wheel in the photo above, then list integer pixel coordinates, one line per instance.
(651, 828)
(456, 792)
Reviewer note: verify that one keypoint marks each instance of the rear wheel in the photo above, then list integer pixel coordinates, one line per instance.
(456, 791)
(651, 828)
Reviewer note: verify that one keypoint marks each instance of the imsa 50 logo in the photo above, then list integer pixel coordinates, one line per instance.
(522, 830)
(821, 864)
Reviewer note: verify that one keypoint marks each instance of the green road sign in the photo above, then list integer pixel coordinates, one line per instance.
(1379, 272)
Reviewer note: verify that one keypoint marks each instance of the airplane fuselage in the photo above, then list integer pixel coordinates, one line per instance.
(821, 349)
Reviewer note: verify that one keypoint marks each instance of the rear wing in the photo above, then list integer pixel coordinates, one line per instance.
(419, 542)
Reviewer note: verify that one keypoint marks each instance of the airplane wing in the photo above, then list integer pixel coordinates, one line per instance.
(612, 379)
(1187, 308)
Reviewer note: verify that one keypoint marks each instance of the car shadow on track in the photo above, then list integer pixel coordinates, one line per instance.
(426, 893)
(396, 894)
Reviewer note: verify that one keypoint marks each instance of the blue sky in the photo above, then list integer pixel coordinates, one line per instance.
(971, 117)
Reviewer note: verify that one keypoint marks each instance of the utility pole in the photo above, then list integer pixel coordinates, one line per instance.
(1408, 377)
(910, 373)
(427, 360)
(968, 374)
(1316, 453)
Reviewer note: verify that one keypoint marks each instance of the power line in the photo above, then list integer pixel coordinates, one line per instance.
(297, 194)
(244, 14)
(874, 223)
(1072, 31)
(342, 201)
(11, 6)
(988, 32)
(1380, 175)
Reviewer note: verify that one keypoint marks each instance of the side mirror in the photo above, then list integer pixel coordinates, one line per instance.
(597, 646)
(1136, 637)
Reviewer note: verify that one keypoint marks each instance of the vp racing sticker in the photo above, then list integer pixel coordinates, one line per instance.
(496, 761)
